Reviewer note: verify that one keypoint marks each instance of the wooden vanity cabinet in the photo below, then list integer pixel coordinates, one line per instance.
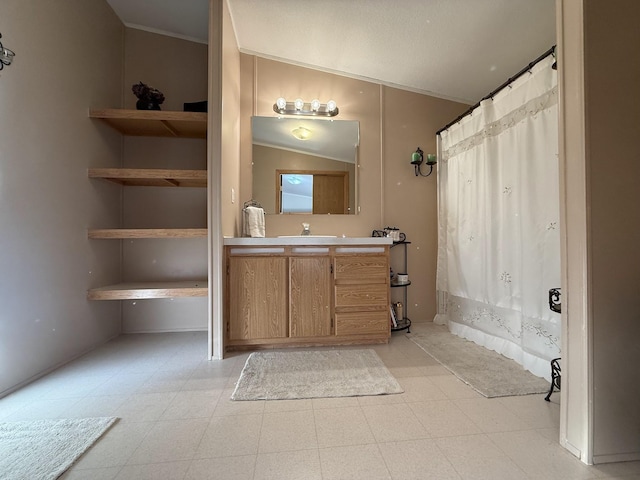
(258, 292)
(310, 296)
(298, 296)
(361, 285)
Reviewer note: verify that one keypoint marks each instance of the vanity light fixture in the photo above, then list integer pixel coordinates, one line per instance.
(300, 107)
(6, 55)
(301, 133)
(417, 158)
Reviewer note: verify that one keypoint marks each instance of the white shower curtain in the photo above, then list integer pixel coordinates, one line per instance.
(498, 239)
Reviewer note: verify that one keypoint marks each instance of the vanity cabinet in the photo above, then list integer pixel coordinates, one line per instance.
(361, 286)
(310, 296)
(259, 285)
(306, 295)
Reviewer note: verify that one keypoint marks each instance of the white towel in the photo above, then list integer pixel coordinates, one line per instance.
(254, 218)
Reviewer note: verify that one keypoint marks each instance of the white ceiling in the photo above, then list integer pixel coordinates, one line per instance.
(455, 49)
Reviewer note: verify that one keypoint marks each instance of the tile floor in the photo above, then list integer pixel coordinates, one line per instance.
(177, 422)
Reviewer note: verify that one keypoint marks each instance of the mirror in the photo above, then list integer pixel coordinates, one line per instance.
(305, 165)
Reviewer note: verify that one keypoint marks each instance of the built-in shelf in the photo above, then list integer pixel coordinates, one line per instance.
(120, 233)
(149, 290)
(151, 124)
(151, 177)
(154, 123)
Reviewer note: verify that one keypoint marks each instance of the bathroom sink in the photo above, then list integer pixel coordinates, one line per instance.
(306, 236)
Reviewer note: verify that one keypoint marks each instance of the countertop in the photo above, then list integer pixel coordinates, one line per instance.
(307, 240)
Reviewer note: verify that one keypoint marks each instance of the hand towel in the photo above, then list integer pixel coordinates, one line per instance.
(255, 221)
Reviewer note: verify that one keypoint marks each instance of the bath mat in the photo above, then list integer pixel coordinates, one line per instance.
(314, 374)
(44, 449)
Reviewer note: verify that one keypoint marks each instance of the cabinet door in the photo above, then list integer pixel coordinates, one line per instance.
(257, 297)
(310, 296)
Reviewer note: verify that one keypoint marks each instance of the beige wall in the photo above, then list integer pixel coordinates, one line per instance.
(230, 127)
(601, 207)
(612, 80)
(272, 159)
(410, 121)
(393, 123)
(178, 68)
(68, 58)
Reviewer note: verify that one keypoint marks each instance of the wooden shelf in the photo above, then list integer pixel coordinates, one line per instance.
(151, 177)
(120, 233)
(154, 123)
(148, 290)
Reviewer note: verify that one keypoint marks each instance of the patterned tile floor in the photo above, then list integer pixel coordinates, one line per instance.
(177, 422)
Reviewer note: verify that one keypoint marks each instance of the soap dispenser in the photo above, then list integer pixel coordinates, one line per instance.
(305, 229)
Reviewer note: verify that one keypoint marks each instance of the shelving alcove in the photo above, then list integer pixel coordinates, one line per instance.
(151, 124)
(404, 323)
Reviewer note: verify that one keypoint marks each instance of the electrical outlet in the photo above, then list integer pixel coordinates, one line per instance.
(233, 195)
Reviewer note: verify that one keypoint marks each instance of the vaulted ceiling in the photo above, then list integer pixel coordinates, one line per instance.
(455, 49)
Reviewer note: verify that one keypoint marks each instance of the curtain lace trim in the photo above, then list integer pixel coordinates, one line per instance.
(530, 109)
(479, 316)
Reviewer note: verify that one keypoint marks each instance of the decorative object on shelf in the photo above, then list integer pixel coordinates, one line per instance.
(398, 311)
(196, 107)
(149, 98)
(300, 107)
(392, 315)
(417, 158)
(6, 55)
(395, 234)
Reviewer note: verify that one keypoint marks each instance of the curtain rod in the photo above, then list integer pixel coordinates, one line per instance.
(504, 85)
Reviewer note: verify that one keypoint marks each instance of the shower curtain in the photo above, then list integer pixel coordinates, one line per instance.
(498, 233)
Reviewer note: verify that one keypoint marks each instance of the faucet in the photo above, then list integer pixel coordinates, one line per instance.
(305, 229)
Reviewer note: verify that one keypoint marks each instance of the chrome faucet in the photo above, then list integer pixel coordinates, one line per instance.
(305, 229)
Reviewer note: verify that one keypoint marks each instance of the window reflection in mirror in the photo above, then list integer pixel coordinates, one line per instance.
(312, 191)
(327, 158)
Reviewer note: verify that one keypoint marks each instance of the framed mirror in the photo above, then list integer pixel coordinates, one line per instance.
(305, 165)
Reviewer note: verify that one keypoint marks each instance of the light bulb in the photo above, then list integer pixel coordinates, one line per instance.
(315, 105)
(298, 104)
(281, 103)
(331, 106)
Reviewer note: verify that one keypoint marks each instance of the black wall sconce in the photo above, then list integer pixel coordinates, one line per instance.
(417, 158)
(6, 55)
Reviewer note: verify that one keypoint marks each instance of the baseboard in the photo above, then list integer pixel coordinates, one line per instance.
(572, 449)
(617, 457)
(168, 330)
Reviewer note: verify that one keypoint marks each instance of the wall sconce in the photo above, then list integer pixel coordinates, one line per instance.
(417, 158)
(300, 107)
(6, 55)
(301, 133)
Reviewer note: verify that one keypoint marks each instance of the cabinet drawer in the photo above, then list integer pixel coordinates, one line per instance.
(363, 268)
(362, 323)
(361, 295)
